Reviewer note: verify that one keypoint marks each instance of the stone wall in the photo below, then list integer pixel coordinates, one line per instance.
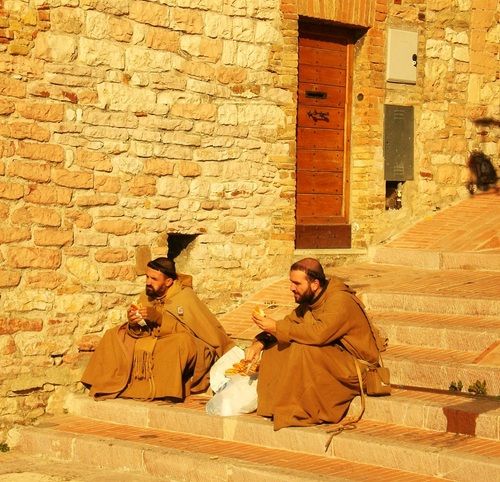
(456, 102)
(125, 124)
(128, 128)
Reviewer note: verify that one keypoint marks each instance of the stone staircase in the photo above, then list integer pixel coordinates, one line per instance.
(441, 312)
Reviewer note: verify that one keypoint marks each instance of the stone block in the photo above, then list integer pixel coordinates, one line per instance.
(12, 87)
(20, 257)
(29, 170)
(41, 112)
(107, 184)
(55, 47)
(116, 227)
(73, 179)
(11, 191)
(9, 279)
(53, 237)
(13, 235)
(44, 152)
(25, 130)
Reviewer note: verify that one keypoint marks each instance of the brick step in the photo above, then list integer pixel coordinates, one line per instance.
(187, 457)
(434, 330)
(427, 259)
(436, 368)
(178, 440)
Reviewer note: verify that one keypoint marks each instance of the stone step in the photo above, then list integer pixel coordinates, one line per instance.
(412, 408)
(402, 288)
(415, 258)
(446, 304)
(434, 330)
(185, 443)
(16, 466)
(183, 457)
(435, 410)
(437, 368)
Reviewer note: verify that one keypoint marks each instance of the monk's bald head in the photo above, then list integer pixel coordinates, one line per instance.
(312, 268)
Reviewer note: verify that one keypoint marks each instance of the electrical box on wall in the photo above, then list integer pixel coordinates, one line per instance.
(402, 48)
(398, 143)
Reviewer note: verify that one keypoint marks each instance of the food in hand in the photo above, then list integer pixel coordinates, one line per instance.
(142, 321)
(243, 368)
(259, 311)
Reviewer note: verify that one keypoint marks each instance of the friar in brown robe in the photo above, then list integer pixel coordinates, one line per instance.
(166, 348)
(307, 372)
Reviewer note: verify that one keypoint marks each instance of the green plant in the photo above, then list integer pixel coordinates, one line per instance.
(479, 388)
(4, 448)
(456, 387)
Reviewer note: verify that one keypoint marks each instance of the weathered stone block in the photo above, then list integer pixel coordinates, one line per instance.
(25, 130)
(9, 279)
(123, 273)
(12, 87)
(44, 152)
(14, 325)
(30, 171)
(107, 184)
(19, 257)
(161, 39)
(14, 234)
(158, 167)
(83, 269)
(96, 200)
(6, 107)
(55, 47)
(143, 186)
(9, 190)
(76, 180)
(53, 237)
(36, 215)
(118, 227)
(111, 255)
(98, 161)
(100, 52)
(43, 279)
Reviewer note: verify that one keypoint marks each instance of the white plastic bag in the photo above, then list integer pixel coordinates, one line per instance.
(238, 395)
(218, 371)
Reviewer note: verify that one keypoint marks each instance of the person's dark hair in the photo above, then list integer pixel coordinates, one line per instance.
(165, 266)
(312, 268)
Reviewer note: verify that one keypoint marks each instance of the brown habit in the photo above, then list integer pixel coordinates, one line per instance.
(309, 376)
(169, 360)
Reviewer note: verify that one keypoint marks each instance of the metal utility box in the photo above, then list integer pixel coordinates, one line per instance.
(398, 143)
(402, 47)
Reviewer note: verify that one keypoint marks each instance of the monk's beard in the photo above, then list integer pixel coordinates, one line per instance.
(151, 292)
(306, 297)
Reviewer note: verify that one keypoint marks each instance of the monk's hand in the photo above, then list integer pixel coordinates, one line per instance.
(252, 353)
(264, 323)
(134, 316)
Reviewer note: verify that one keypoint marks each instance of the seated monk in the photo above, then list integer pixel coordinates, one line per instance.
(166, 348)
(307, 372)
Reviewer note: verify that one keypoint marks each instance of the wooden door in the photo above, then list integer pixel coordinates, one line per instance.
(325, 54)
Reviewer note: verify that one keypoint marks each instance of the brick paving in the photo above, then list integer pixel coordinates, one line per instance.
(469, 226)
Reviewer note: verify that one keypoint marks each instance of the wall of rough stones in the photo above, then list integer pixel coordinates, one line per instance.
(458, 84)
(126, 124)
